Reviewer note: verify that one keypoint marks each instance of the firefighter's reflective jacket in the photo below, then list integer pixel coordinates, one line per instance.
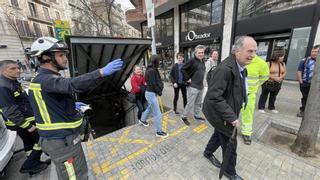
(14, 105)
(258, 73)
(52, 98)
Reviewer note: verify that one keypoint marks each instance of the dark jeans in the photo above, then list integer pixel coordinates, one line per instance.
(183, 89)
(141, 104)
(30, 142)
(304, 89)
(218, 139)
(264, 96)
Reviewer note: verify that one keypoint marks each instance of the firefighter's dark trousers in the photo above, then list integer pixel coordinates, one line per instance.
(31, 147)
(68, 157)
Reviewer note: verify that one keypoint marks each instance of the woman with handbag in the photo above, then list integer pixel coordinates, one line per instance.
(273, 85)
(138, 85)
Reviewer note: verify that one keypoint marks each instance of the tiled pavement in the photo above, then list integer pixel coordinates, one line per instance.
(136, 153)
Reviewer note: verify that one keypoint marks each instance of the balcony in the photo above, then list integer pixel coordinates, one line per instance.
(40, 18)
(43, 2)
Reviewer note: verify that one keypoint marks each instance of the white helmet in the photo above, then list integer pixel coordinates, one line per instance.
(47, 44)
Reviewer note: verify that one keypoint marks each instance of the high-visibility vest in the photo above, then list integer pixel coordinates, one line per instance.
(258, 73)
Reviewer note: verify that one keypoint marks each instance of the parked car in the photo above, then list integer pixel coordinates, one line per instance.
(7, 145)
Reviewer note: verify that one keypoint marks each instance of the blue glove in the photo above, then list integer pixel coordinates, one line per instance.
(79, 104)
(112, 67)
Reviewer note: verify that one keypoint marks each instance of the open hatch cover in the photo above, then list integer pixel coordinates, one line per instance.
(90, 53)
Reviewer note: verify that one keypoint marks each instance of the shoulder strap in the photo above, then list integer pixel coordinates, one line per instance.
(279, 69)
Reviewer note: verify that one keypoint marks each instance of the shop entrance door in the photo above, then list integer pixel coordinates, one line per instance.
(268, 46)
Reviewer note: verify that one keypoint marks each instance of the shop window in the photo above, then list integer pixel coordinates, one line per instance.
(253, 8)
(201, 16)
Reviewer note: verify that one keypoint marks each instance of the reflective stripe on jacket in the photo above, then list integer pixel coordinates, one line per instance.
(258, 73)
(52, 98)
(14, 105)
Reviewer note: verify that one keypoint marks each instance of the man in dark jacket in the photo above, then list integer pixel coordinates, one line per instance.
(225, 98)
(178, 83)
(18, 115)
(193, 72)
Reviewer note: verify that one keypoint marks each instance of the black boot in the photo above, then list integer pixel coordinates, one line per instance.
(34, 170)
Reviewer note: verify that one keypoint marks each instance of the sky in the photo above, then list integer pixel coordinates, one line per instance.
(125, 4)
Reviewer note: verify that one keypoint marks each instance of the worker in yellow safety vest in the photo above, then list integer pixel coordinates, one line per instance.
(258, 73)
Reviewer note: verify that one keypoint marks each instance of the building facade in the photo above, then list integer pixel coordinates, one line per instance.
(290, 25)
(24, 21)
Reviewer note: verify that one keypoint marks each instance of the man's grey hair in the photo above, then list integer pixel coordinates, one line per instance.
(4, 63)
(238, 44)
(199, 47)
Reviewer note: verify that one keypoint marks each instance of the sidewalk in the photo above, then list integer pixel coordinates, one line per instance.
(136, 153)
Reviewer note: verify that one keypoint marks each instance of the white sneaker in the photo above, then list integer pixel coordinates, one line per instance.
(275, 111)
(262, 111)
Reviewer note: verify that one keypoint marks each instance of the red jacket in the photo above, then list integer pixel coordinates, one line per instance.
(136, 81)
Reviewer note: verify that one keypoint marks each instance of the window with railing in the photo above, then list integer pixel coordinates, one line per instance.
(23, 28)
(200, 15)
(15, 3)
(58, 15)
(33, 10)
(50, 31)
(37, 29)
(253, 8)
(46, 13)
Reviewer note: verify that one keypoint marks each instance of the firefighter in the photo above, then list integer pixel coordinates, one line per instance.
(18, 116)
(52, 98)
(258, 73)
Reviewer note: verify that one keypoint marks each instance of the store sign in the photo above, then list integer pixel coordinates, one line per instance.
(62, 28)
(193, 36)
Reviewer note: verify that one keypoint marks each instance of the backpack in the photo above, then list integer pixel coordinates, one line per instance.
(210, 72)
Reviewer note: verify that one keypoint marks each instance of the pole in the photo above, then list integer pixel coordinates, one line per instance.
(153, 45)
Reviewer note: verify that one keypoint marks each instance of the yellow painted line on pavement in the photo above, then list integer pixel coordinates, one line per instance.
(96, 168)
(106, 168)
(199, 129)
(125, 174)
(91, 154)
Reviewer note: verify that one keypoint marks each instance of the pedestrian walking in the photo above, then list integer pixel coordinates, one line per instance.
(52, 98)
(210, 64)
(258, 73)
(178, 82)
(226, 95)
(18, 116)
(154, 89)
(304, 75)
(138, 85)
(193, 72)
(272, 86)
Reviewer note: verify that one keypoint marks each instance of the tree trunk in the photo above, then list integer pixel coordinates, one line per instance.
(305, 143)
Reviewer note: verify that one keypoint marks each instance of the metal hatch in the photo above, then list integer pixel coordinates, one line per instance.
(90, 53)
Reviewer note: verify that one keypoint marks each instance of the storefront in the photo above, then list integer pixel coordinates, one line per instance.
(164, 41)
(200, 24)
(287, 25)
